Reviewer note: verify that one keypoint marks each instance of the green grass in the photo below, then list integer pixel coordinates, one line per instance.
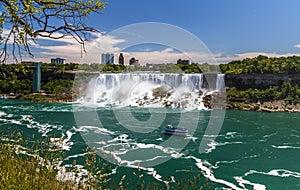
(24, 172)
(48, 97)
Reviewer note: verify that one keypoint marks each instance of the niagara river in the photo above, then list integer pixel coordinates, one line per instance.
(252, 151)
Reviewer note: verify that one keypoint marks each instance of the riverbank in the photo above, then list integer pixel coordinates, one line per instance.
(270, 106)
(244, 104)
(41, 97)
(231, 104)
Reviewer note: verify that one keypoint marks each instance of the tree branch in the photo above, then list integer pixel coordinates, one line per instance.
(28, 19)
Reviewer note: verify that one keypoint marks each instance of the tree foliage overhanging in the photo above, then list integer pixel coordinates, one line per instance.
(23, 21)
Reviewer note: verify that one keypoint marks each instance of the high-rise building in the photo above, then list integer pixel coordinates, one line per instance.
(133, 61)
(107, 58)
(121, 59)
(58, 60)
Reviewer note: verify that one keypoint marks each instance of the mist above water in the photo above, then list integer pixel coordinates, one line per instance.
(150, 90)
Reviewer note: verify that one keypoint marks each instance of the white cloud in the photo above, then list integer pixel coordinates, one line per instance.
(5, 34)
(297, 46)
(168, 56)
(102, 44)
(71, 51)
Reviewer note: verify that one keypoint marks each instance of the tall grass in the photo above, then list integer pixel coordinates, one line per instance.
(37, 167)
(24, 172)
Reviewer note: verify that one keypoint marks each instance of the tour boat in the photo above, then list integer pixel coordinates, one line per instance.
(170, 130)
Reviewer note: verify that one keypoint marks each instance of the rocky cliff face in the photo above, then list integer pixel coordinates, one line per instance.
(259, 81)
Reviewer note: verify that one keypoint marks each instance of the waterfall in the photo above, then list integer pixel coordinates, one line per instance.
(220, 84)
(194, 81)
(149, 90)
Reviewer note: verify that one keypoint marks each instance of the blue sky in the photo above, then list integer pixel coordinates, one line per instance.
(232, 26)
(231, 29)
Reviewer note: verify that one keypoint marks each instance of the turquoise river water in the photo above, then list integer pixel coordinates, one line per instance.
(252, 151)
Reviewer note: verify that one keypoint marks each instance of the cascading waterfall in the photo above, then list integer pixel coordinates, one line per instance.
(220, 84)
(149, 90)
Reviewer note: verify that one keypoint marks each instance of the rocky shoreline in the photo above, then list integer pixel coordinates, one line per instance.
(40, 97)
(270, 106)
(231, 104)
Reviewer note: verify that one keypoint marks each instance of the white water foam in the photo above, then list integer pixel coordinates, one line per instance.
(65, 108)
(64, 142)
(213, 145)
(286, 147)
(191, 138)
(130, 145)
(267, 137)
(242, 182)
(294, 135)
(233, 161)
(270, 135)
(226, 162)
(208, 173)
(42, 128)
(7, 118)
(95, 129)
(2, 113)
(121, 146)
(75, 156)
(231, 135)
(276, 173)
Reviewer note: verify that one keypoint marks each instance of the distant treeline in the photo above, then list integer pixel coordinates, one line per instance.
(262, 64)
(258, 65)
